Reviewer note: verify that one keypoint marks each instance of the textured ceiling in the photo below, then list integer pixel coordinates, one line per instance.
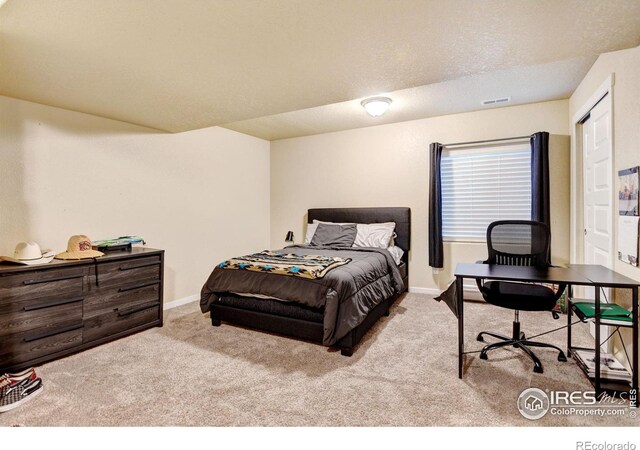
(183, 64)
(551, 81)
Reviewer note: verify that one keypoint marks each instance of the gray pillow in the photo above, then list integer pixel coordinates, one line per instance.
(336, 235)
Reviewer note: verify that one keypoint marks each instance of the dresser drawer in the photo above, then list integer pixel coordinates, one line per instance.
(120, 320)
(21, 347)
(128, 271)
(108, 299)
(35, 288)
(45, 315)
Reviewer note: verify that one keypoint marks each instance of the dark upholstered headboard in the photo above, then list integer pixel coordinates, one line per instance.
(401, 216)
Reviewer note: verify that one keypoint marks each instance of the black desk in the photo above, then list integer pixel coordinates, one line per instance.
(573, 275)
(553, 275)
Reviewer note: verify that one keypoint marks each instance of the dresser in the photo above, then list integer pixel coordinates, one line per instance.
(56, 309)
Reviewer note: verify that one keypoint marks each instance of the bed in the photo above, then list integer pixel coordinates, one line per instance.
(327, 310)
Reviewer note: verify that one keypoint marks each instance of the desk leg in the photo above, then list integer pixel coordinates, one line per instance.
(460, 299)
(568, 304)
(634, 377)
(598, 340)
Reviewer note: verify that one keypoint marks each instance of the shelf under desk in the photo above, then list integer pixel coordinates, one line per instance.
(609, 321)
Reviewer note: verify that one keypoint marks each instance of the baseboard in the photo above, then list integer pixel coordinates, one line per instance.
(423, 290)
(181, 301)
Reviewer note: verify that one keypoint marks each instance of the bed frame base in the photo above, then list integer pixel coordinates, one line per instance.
(287, 326)
(301, 329)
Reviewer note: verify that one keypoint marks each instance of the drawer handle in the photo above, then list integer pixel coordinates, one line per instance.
(156, 263)
(46, 334)
(135, 309)
(48, 280)
(138, 286)
(50, 304)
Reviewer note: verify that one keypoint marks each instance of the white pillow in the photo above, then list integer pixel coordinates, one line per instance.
(397, 253)
(377, 235)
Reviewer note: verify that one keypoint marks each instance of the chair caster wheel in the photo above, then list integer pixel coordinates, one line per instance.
(480, 338)
(537, 369)
(561, 357)
(522, 336)
(483, 356)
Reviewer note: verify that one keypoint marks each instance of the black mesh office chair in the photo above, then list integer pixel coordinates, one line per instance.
(519, 243)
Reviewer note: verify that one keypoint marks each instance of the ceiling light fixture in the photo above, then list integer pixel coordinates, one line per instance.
(376, 106)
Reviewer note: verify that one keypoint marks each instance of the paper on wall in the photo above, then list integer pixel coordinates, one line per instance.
(628, 239)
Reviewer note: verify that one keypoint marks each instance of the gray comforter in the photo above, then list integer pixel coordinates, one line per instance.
(346, 293)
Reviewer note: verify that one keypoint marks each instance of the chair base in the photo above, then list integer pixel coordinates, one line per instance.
(518, 340)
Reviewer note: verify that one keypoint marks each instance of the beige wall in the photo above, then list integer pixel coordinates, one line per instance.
(387, 165)
(201, 195)
(625, 65)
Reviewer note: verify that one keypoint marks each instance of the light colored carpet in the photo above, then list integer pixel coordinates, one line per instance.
(403, 373)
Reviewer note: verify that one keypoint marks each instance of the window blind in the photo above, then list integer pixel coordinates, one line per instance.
(483, 186)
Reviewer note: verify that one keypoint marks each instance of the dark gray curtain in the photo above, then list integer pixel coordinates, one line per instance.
(435, 207)
(540, 207)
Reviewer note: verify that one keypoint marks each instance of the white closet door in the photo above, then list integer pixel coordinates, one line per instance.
(598, 196)
(598, 187)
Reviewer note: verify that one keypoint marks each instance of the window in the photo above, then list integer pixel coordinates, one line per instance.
(480, 186)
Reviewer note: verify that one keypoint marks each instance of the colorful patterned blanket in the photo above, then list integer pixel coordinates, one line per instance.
(304, 266)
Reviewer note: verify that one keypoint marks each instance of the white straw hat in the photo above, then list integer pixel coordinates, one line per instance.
(29, 253)
(79, 247)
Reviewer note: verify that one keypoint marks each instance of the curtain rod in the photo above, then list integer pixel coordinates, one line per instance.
(487, 141)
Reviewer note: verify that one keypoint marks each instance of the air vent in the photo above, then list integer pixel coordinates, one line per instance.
(495, 101)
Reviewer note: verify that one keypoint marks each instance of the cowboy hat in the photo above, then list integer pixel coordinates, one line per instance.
(28, 253)
(79, 247)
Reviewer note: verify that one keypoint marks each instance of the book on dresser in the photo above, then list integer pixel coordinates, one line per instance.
(55, 309)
